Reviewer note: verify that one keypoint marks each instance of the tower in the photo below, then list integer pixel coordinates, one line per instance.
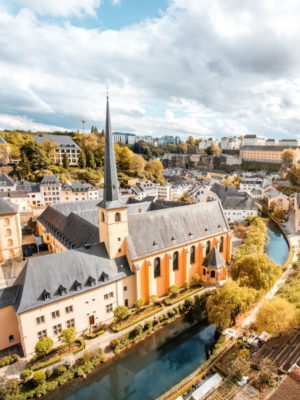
(113, 218)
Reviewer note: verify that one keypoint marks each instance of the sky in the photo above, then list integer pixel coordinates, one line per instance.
(173, 67)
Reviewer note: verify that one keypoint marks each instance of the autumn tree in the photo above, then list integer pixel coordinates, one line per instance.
(90, 160)
(288, 157)
(123, 157)
(183, 147)
(154, 170)
(186, 198)
(228, 302)
(36, 155)
(82, 159)
(65, 161)
(137, 165)
(276, 315)
(239, 367)
(50, 148)
(191, 141)
(67, 336)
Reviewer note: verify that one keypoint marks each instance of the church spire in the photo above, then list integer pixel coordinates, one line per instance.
(111, 187)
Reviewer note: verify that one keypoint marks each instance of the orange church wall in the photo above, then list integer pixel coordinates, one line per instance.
(163, 280)
(144, 281)
(179, 277)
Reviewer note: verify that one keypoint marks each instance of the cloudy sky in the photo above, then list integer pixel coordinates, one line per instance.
(201, 67)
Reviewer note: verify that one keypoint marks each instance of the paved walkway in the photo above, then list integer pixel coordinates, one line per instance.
(102, 341)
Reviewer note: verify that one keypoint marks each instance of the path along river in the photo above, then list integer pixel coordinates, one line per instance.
(156, 364)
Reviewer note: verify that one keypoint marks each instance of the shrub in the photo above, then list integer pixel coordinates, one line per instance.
(186, 285)
(115, 344)
(120, 313)
(171, 314)
(79, 372)
(26, 374)
(148, 325)
(196, 278)
(138, 304)
(7, 360)
(59, 370)
(188, 304)
(173, 290)
(43, 346)
(39, 377)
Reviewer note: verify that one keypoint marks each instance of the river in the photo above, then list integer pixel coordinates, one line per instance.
(153, 366)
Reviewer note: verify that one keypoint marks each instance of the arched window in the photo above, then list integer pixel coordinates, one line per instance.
(221, 244)
(192, 255)
(6, 221)
(207, 247)
(212, 274)
(10, 242)
(102, 217)
(175, 260)
(204, 271)
(8, 232)
(117, 217)
(156, 267)
(11, 253)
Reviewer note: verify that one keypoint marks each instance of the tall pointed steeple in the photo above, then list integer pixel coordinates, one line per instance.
(111, 187)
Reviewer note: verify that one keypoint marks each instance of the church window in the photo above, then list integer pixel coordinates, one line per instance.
(6, 221)
(156, 267)
(8, 231)
(117, 217)
(207, 247)
(192, 255)
(102, 217)
(175, 261)
(221, 244)
(10, 242)
(212, 274)
(204, 271)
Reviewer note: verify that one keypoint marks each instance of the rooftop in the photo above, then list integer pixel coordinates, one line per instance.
(61, 140)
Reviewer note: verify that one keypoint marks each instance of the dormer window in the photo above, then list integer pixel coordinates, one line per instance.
(62, 290)
(206, 229)
(154, 243)
(104, 277)
(190, 234)
(91, 281)
(173, 238)
(77, 285)
(46, 295)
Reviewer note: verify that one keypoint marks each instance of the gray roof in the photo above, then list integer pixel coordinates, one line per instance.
(214, 259)
(232, 199)
(61, 140)
(8, 296)
(165, 229)
(267, 148)
(5, 180)
(78, 186)
(2, 140)
(46, 273)
(50, 180)
(271, 193)
(7, 208)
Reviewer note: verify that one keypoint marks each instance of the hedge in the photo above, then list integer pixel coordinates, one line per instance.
(115, 329)
(92, 335)
(7, 360)
(41, 365)
(170, 302)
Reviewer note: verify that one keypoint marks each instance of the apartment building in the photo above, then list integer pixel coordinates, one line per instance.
(264, 154)
(65, 145)
(253, 140)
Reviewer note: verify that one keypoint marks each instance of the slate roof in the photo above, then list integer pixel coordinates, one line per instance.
(50, 271)
(7, 208)
(165, 229)
(5, 180)
(50, 180)
(232, 199)
(271, 193)
(8, 296)
(78, 186)
(214, 259)
(267, 148)
(61, 140)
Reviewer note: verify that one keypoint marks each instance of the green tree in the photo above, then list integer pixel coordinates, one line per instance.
(36, 156)
(82, 159)
(66, 161)
(67, 336)
(39, 377)
(228, 302)
(120, 313)
(275, 316)
(26, 374)
(90, 160)
(138, 304)
(9, 388)
(43, 346)
(255, 270)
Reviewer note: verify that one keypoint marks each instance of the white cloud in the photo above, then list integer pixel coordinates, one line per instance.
(20, 122)
(116, 2)
(204, 67)
(61, 8)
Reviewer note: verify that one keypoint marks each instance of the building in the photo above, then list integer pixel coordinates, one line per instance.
(10, 232)
(51, 189)
(6, 183)
(263, 154)
(230, 143)
(247, 184)
(65, 145)
(144, 189)
(237, 205)
(110, 253)
(164, 192)
(127, 138)
(253, 140)
(288, 142)
(274, 199)
(76, 191)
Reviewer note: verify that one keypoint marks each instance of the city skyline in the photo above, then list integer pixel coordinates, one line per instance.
(173, 67)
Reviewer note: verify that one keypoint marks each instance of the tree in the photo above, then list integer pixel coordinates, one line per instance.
(173, 290)
(186, 198)
(137, 165)
(154, 169)
(120, 313)
(255, 270)
(191, 141)
(50, 149)
(9, 388)
(123, 157)
(276, 315)
(26, 374)
(138, 304)
(267, 374)
(43, 346)
(288, 158)
(278, 213)
(66, 161)
(36, 155)
(67, 336)
(239, 367)
(90, 160)
(39, 377)
(82, 159)
(228, 302)
(183, 147)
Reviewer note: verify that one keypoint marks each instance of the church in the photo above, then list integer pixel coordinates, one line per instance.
(110, 253)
